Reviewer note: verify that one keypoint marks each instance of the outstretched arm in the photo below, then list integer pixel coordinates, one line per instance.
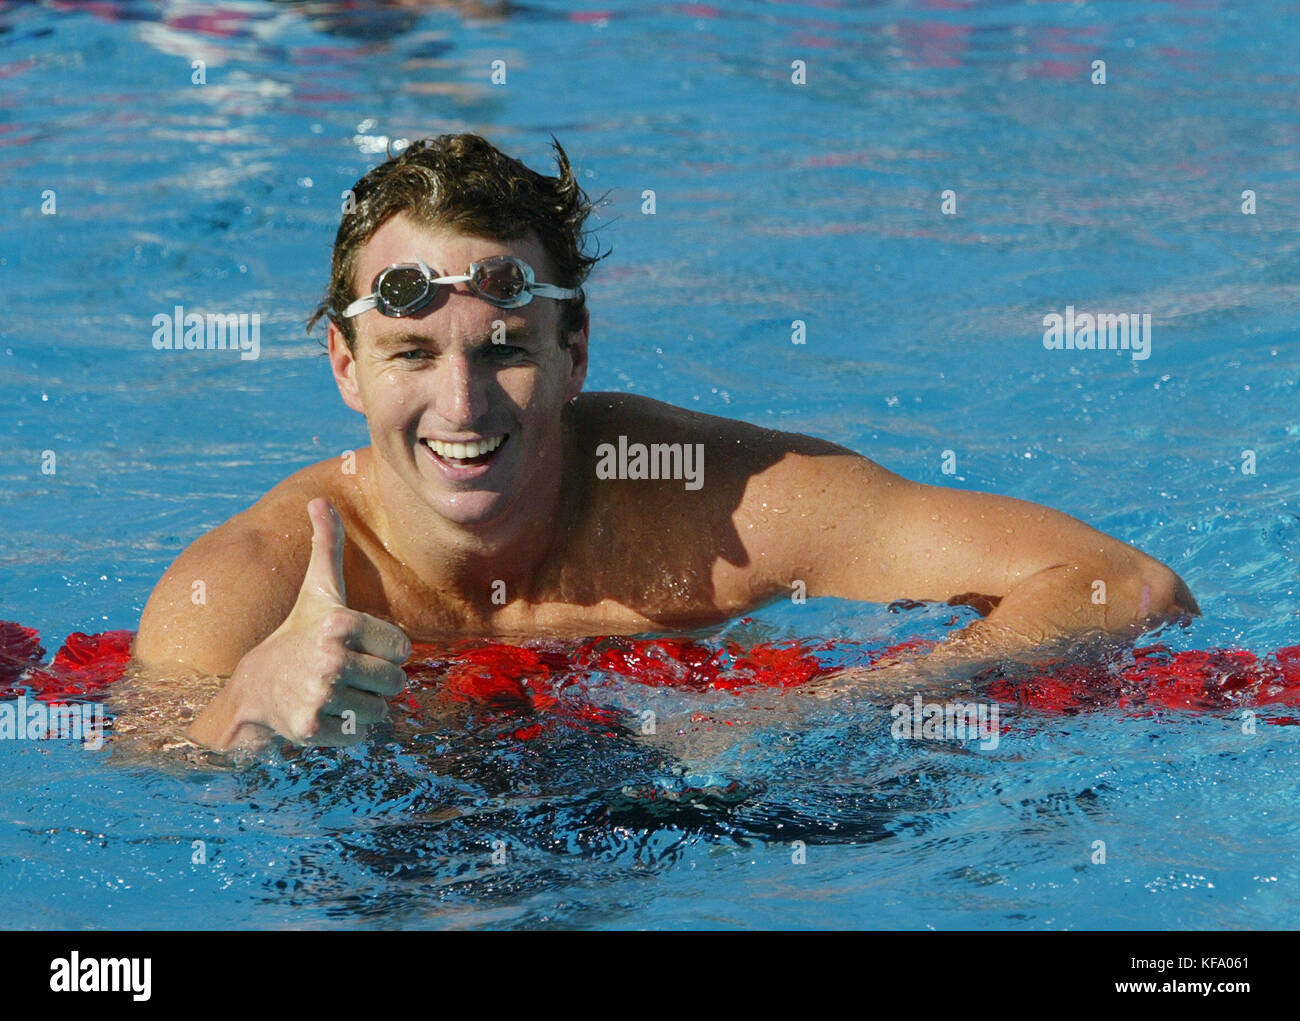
(1048, 578)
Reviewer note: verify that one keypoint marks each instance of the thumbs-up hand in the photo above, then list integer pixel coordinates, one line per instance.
(321, 677)
(324, 578)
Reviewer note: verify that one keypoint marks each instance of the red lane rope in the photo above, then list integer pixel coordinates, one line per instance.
(82, 669)
(512, 680)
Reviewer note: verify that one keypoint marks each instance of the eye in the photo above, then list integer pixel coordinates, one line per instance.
(415, 354)
(505, 352)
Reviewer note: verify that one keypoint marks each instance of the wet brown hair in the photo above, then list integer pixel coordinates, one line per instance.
(465, 184)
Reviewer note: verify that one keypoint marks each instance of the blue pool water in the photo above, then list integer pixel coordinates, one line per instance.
(775, 202)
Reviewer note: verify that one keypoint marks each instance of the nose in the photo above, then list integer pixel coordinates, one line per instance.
(461, 395)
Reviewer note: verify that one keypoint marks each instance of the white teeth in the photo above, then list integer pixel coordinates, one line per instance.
(462, 451)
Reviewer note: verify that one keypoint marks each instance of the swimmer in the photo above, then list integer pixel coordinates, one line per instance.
(497, 499)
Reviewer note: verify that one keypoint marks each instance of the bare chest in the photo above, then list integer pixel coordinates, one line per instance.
(608, 592)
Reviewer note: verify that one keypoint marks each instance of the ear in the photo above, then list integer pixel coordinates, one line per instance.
(345, 369)
(577, 358)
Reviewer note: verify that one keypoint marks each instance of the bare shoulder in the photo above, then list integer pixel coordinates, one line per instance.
(769, 462)
(603, 417)
(235, 584)
(773, 505)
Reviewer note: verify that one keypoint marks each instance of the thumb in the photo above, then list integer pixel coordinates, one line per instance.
(325, 569)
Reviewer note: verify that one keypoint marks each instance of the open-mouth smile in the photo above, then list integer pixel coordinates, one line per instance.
(461, 457)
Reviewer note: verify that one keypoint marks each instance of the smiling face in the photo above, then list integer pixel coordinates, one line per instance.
(471, 426)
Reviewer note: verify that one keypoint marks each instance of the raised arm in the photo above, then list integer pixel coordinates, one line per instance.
(273, 621)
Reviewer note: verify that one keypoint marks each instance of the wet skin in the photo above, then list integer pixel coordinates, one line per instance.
(529, 541)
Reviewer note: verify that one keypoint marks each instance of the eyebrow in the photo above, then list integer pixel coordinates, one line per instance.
(515, 332)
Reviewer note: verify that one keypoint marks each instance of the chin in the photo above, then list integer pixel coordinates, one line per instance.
(468, 509)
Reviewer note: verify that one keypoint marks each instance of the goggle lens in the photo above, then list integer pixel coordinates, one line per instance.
(402, 287)
(500, 281)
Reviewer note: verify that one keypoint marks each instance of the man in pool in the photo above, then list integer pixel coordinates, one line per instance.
(497, 499)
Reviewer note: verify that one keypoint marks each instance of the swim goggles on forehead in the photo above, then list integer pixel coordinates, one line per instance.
(406, 287)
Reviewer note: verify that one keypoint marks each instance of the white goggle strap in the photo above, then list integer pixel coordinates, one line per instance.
(551, 291)
(359, 306)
